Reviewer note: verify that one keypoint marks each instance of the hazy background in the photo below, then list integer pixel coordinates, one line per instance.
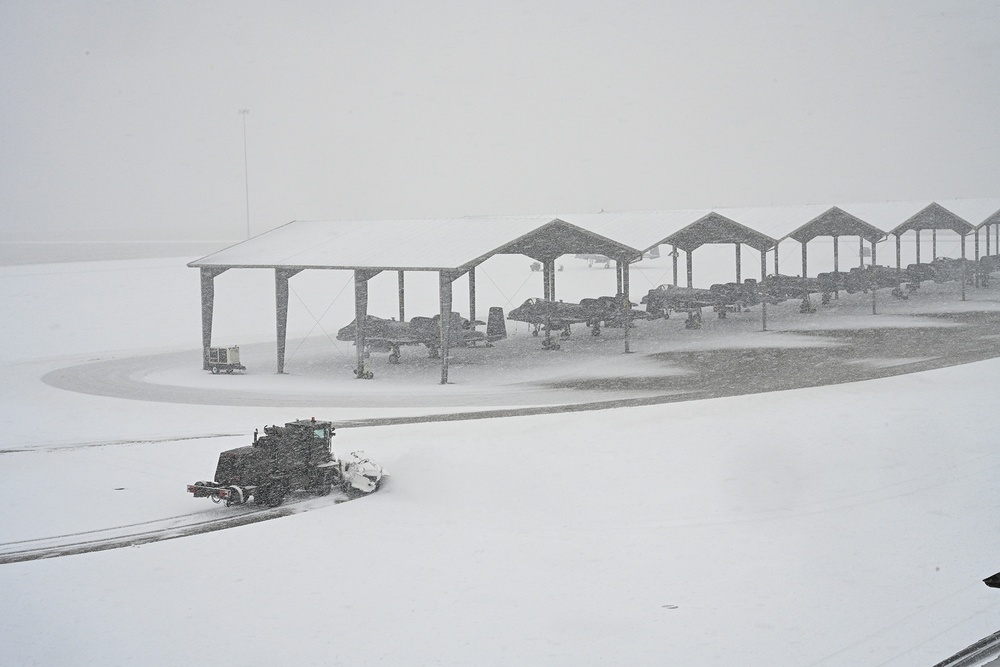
(120, 120)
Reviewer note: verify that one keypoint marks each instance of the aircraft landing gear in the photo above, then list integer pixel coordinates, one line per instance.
(549, 344)
(693, 320)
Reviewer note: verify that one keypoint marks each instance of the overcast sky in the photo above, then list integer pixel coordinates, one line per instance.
(120, 120)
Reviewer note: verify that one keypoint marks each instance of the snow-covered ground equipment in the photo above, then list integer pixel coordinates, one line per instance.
(224, 360)
(296, 456)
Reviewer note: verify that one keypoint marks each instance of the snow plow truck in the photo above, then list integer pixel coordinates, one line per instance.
(296, 456)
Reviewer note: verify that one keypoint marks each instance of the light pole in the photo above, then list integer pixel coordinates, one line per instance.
(246, 171)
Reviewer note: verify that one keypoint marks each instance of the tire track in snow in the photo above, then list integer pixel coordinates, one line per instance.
(146, 532)
(114, 443)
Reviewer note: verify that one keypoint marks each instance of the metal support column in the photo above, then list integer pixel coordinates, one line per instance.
(552, 279)
(281, 277)
(618, 275)
(444, 281)
(861, 251)
(472, 298)
(836, 266)
(918, 246)
(208, 275)
(899, 262)
(963, 266)
(977, 258)
(805, 264)
(763, 289)
(546, 291)
(626, 319)
(874, 279)
(776, 259)
(739, 265)
(361, 278)
(401, 291)
(674, 255)
(933, 244)
(690, 269)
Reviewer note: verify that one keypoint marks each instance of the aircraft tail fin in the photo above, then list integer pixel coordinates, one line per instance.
(496, 328)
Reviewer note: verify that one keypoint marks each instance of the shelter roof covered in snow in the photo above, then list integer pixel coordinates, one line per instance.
(451, 244)
(411, 245)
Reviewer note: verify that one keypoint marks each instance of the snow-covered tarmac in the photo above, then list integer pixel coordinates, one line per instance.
(834, 525)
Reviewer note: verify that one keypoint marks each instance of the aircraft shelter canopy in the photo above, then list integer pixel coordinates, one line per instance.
(457, 244)
(453, 244)
(804, 223)
(962, 216)
(717, 228)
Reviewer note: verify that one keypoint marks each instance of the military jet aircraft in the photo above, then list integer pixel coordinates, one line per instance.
(596, 259)
(780, 287)
(861, 279)
(383, 335)
(722, 298)
(944, 269)
(549, 316)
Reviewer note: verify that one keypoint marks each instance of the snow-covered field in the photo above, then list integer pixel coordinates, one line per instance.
(841, 525)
